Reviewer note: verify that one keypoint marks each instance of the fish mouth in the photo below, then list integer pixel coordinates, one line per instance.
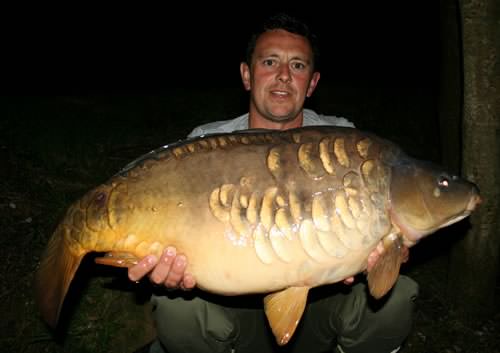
(413, 235)
(474, 201)
(456, 219)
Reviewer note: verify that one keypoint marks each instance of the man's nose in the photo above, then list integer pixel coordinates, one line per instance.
(284, 74)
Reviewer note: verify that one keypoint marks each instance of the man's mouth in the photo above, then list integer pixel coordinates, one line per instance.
(280, 93)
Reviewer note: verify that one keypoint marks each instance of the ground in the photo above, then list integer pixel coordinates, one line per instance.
(52, 152)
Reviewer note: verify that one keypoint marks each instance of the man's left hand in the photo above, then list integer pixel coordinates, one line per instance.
(375, 255)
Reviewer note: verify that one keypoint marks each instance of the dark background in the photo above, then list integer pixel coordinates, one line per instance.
(166, 69)
(140, 49)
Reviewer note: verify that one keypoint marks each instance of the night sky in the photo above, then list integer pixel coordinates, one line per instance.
(140, 50)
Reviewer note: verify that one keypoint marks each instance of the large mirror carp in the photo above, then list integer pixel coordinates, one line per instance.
(275, 212)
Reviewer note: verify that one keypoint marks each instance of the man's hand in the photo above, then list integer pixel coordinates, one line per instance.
(375, 255)
(167, 271)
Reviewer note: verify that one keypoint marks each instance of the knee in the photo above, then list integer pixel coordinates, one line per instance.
(395, 317)
(384, 323)
(402, 298)
(407, 288)
(193, 325)
(396, 312)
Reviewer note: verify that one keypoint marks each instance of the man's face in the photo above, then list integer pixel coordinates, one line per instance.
(280, 75)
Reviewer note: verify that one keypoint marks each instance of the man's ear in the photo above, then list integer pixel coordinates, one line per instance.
(312, 85)
(245, 75)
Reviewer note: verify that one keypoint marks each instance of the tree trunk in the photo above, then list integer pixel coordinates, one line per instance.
(475, 258)
(450, 86)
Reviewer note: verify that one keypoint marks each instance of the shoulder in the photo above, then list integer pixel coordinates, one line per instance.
(312, 118)
(239, 123)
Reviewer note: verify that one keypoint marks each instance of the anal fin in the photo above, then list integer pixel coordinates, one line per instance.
(118, 259)
(284, 310)
(383, 275)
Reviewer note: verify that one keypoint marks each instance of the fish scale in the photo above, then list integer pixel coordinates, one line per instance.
(275, 212)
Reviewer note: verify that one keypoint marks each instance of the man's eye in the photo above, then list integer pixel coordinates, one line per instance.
(268, 62)
(298, 66)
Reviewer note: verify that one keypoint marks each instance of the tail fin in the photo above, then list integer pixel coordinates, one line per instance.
(57, 268)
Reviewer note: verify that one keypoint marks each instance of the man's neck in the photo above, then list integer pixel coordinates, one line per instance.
(255, 121)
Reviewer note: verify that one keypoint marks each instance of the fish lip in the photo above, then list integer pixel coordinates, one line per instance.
(474, 201)
(455, 219)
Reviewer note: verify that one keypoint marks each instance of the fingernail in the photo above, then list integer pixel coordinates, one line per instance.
(132, 276)
(170, 251)
(180, 261)
(155, 279)
(151, 259)
(189, 282)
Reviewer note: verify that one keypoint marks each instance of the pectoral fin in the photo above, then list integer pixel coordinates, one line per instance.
(284, 310)
(386, 270)
(118, 259)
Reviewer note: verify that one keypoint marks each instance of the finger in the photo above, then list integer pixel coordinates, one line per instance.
(188, 282)
(406, 253)
(349, 280)
(176, 273)
(372, 259)
(164, 266)
(142, 268)
(374, 256)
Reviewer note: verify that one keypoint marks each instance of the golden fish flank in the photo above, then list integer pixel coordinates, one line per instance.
(274, 212)
(277, 224)
(335, 222)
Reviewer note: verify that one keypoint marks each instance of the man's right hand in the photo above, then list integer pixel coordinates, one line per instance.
(168, 271)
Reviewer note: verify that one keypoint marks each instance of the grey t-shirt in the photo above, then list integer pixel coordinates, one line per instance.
(311, 118)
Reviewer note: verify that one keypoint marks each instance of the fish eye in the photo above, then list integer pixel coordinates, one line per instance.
(444, 182)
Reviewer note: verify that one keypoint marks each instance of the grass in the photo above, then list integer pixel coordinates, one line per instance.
(54, 149)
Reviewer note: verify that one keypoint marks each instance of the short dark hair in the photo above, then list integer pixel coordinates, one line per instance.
(290, 24)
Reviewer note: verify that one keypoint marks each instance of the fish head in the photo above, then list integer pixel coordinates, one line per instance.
(424, 198)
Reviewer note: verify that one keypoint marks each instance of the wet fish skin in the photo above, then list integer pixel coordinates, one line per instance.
(259, 212)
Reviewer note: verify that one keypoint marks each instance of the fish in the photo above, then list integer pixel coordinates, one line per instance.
(272, 212)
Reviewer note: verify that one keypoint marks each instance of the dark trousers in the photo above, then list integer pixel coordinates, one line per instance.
(335, 315)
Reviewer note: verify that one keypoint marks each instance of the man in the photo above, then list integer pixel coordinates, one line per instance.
(280, 72)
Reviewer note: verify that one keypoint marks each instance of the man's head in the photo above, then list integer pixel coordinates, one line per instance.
(289, 24)
(280, 72)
